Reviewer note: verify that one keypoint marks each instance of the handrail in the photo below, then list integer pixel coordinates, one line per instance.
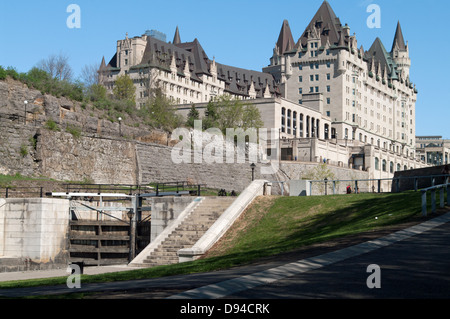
(395, 180)
(433, 197)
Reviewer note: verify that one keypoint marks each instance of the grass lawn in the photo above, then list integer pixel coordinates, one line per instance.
(274, 225)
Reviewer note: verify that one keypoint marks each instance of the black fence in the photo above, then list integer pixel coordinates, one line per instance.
(22, 192)
(156, 189)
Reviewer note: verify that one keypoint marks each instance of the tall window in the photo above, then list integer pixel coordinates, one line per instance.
(377, 164)
(294, 124)
(301, 125)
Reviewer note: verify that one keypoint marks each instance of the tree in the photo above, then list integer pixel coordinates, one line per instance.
(97, 92)
(192, 116)
(125, 89)
(57, 66)
(161, 112)
(227, 112)
(89, 75)
(251, 117)
(211, 116)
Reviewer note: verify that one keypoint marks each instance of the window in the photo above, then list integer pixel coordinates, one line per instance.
(328, 88)
(328, 100)
(300, 78)
(317, 77)
(377, 164)
(300, 67)
(317, 89)
(311, 78)
(328, 63)
(384, 166)
(328, 76)
(311, 89)
(300, 91)
(391, 167)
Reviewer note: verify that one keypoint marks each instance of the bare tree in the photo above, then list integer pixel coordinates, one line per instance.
(90, 75)
(57, 66)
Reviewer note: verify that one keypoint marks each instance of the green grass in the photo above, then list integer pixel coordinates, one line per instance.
(282, 224)
(6, 180)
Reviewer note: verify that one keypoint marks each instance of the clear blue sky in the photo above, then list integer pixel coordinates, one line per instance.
(240, 33)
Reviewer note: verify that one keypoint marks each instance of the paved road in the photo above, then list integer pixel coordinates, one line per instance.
(414, 263)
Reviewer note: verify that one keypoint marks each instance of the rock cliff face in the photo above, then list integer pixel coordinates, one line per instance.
(62, 156)
(99, 153)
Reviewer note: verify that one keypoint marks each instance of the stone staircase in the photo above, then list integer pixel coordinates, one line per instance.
(189, 232)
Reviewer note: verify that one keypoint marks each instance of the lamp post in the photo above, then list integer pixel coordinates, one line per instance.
(25, 114)
(120, 126)
(130, 215)
(326, 181)
(253, 166)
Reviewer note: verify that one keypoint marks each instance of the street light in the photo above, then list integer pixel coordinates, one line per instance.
(130, 215)
(120, 126)
(25, 117)
(253, 166)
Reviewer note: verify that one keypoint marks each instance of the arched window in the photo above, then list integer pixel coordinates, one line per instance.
(377, 163)
(391, 167)
(384, 166)
(301, 125)
(283, 120)
(294, 124)
(289, 121)
(398, 168)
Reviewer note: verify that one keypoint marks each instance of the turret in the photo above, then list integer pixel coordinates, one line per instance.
(400, 52)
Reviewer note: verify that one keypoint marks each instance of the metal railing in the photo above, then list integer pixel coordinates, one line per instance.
(432, 191)
(12, 191)
(394, 185)
(154, 189)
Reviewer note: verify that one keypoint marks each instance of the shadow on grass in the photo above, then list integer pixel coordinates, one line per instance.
(339, 216)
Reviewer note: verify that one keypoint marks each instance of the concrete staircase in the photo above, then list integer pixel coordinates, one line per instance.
(188, 232)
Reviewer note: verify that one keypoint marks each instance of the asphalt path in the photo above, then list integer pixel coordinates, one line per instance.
(413, 264)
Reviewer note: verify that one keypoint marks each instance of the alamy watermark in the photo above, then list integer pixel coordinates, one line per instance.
(374, 19)
(74, 19)
(237, 146)
(74, 279)
(374, 280)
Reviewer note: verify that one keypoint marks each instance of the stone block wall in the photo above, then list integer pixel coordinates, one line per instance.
(35, 230)
(165, 211)
(99, 160)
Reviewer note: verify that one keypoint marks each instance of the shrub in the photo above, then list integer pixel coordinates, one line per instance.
(3, 73)
(51, 125)
(75, 131)
(23, 150)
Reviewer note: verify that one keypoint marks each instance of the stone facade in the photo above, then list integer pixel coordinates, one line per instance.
(36, 230)
(182, 70)
(433, 150)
